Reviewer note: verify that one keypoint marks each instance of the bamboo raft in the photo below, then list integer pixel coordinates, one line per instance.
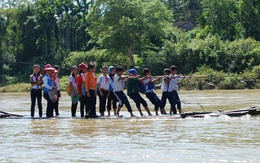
(231, 113)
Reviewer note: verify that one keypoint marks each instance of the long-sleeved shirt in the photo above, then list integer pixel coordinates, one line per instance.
(133, 86)
(90, 81)
(111, 83)
(174, 82)
(47, 82)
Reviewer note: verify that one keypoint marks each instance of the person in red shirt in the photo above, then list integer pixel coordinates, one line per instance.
(81, 88)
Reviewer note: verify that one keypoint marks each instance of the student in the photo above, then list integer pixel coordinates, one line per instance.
(73, 90)
(133, 92)
(103, 90)
(36, 90)
(175, 83)
(167, 89)
(111, 98)
(48, 87)
(148, 82)
(90, 86)
(119, 85)
(81, 88)
(57, 82)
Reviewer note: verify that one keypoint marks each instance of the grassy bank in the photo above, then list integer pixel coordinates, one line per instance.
(20, 87)
(26, 87)
(211, 80)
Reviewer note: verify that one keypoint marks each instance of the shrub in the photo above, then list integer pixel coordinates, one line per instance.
(230, 83)
(256, 71)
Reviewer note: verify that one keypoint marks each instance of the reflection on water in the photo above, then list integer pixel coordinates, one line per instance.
(222, 139)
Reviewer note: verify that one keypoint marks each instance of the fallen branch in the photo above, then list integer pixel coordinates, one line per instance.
(9, 114)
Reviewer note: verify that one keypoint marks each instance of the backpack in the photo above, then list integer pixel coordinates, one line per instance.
(68, 89)
(144, 87)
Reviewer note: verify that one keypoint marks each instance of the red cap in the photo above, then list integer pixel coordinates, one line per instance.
(83, 66)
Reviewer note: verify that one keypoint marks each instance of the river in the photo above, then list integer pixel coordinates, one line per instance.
(155, 139)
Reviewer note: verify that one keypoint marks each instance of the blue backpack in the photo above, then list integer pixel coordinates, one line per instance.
(144, 87)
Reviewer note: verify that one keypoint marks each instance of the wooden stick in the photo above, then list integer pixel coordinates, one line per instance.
(15, 115)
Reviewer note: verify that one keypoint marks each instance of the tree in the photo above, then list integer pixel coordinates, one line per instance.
(2, 32)
(250, 16)
(221, 17)
(184, 9)
(121, 26)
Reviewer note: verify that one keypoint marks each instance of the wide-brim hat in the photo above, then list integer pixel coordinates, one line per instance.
(48, 67)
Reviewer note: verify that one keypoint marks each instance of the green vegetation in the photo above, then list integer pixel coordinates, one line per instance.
(222, 48)
(21, 87)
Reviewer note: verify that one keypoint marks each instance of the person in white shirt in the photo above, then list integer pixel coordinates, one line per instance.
(36, 90)
(119, 85)
(175, 86)
(167, 89)
(73, 90)
(112, 100)
(57, 83)
(103, 90)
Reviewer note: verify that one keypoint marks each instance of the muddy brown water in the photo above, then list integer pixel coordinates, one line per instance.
(155, 139)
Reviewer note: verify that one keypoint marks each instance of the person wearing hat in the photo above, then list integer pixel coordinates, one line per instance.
(81, 88)
(48, 86)
(73, 90)
(133, 92)
(36, 90)
(112, 100)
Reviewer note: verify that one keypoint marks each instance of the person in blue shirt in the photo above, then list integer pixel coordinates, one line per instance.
(48, 86)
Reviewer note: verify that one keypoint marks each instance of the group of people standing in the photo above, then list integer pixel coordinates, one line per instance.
(51, 90)
(84, 87)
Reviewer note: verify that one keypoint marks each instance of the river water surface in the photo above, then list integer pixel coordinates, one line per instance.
(149, 139)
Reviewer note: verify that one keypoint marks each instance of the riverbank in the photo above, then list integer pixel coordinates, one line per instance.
(26, 87)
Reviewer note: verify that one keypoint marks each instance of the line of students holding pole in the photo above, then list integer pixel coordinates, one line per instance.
(84, 87)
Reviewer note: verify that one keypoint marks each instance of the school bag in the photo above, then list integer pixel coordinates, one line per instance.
(53, 95)
(144, 87)
(68, 89)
